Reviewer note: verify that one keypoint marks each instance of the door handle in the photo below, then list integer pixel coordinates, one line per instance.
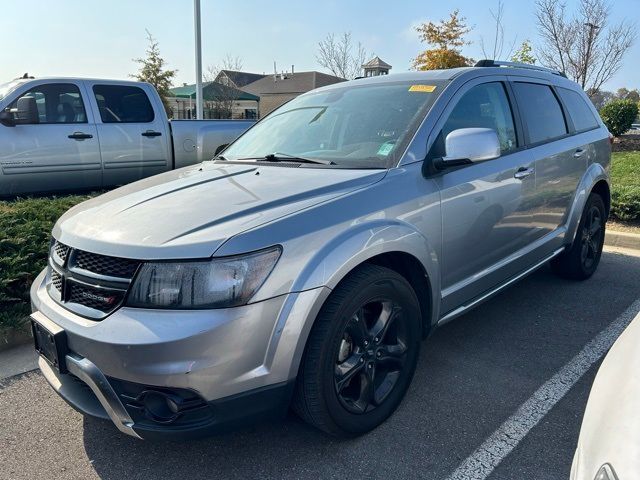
(578, 153)
(151, 133)
(80, 136)
(523, 173)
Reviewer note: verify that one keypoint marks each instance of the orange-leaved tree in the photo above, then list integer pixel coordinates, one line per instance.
(447, 37)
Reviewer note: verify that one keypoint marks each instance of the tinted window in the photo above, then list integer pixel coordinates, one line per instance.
(483, 106)
(580, 113)
(55, 102)
(540, 111)
(120, 104)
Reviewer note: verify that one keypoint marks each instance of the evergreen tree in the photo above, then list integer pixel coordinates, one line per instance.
(152, 70)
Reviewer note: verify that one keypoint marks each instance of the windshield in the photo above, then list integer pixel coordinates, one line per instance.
(5, 88)
(357, 126)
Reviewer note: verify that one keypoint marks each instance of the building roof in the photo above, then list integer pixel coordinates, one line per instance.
(240, 79)
(298, 82)
(213, 91)
(376, 62)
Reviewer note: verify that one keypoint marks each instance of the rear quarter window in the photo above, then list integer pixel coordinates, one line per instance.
(123, 104)
(581, 115)
(540, 111)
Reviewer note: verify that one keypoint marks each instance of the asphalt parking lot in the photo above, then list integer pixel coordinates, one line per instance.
(474, 373)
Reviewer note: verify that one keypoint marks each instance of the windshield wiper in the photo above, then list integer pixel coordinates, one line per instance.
(283, 157)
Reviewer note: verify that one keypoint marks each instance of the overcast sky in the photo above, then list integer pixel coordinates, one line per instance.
(92, 38)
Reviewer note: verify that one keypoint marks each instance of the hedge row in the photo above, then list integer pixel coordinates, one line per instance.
(25, 232)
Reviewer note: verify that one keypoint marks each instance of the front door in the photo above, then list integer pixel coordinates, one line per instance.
(56, 150)
(487, 210)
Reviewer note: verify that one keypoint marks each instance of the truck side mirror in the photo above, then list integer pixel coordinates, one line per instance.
(7, 119)
(26, 111)
(220, 148)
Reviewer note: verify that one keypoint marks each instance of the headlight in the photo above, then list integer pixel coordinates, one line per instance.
(606, 472)
(216, 283)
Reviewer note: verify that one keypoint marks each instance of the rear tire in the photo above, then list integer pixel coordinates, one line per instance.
(361, 353)
(581, 260)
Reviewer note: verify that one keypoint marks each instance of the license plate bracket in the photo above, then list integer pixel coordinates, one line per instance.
(50, 342)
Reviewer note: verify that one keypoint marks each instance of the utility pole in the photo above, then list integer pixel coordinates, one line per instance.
(199, 99)
(592, 28)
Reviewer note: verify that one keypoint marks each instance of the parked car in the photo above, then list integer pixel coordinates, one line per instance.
(65, 134)
(305, 263)
(609, 443)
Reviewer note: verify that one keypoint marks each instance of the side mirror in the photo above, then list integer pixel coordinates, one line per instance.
(220, 148)
(26, 111)
(7, 119)
(467, 145)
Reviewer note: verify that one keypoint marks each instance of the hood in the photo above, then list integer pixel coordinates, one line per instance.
(189, 213)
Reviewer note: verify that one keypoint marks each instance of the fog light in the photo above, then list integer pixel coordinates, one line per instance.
(159, 407)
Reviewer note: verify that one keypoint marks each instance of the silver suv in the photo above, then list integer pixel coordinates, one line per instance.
(304, 265)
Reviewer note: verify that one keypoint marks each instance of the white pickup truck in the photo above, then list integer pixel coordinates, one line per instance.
(70, 134)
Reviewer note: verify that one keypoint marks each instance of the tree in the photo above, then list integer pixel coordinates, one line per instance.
(152, 70)
(524, 54)
(600, 98)
(447, 37)
(585, 46)
(226, 94)
(618, 115)
(341, 56)
(626, 94)
(497, 51)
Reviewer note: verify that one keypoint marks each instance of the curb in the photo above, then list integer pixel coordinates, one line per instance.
(14, 338)
(630, 241)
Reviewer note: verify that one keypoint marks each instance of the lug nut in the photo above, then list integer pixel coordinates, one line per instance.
(362, 360)
(378, 354)
(376, 339)
(369, 366)
(366, 343)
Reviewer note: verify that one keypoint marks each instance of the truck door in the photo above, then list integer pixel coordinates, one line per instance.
(53, 145)
(134, 141)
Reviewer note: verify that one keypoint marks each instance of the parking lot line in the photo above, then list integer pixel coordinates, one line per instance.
(500, 443)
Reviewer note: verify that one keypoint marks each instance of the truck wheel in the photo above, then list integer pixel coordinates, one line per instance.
(361, 353)
(581, 260)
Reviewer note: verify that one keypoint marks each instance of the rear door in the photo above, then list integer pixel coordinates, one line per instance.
(561, 157)
(486, 206)
(134, 137)
(56, 151)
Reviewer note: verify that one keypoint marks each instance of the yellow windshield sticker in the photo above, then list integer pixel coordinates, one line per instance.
(422, 88)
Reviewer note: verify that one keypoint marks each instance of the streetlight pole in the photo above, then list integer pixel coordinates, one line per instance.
(199, 100)
(592, 28)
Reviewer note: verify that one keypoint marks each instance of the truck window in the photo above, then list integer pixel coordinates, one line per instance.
(580, 113)
(483, 106)
(540, 111)
(56, 103)
(123, 104)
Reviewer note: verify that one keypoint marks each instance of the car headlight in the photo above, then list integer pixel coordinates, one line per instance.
(606, 472)
(216, 283)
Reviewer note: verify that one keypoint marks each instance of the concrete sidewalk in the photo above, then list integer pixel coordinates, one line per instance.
(17, 360)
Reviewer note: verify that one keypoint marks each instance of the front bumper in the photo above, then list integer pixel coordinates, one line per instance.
(220, 357)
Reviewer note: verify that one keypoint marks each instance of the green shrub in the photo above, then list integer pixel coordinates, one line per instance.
(618, 115)
(25, 233)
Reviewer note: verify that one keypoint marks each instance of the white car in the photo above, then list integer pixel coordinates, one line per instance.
(609, 443)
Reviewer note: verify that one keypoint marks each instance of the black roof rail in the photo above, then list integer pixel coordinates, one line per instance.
(527, 66)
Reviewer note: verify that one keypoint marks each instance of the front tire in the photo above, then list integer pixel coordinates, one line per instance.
(361, 353)
(581, 260)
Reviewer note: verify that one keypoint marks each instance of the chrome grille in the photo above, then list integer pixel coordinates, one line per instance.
(89, 284)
